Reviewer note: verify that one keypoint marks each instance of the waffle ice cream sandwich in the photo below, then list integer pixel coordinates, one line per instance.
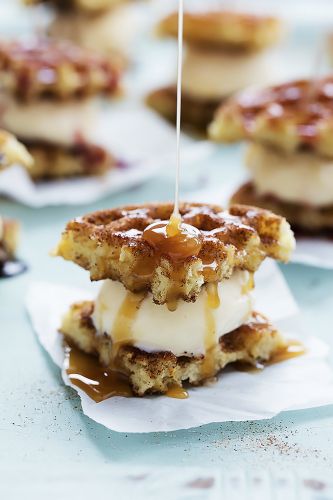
(48, 101)
(290, 155)
(177, 309)
(225, 52)
(104, 26)
(12, 152)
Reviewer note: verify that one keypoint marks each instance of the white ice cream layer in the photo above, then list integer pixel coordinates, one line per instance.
(216, 74)
(112, 31)
(182, 331)
(302, 177)
(49, 121)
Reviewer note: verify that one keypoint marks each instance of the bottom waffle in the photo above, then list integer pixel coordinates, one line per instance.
(257, 340)
(51, 161)
(195, 113)
(303, 218)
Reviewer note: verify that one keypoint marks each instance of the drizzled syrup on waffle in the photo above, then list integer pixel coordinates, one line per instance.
(174, 238)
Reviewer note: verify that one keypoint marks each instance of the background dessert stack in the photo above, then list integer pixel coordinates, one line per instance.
(105, 26)
(290, 155)
(48, 101)
(173, 309)
(225, 52)
(11, 153)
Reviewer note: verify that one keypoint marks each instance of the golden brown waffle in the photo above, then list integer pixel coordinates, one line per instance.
(110, 245)
(196, 113)
(84, 159)
(88, 6)
(292, 116)
(302, 217)
(148, 373)
(223, 29)
(13, 152)
(40, 67)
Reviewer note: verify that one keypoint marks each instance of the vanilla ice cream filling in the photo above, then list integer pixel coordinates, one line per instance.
(302, 177)
(216, 74)
(109, 32)
(183, 331)
(60, 123)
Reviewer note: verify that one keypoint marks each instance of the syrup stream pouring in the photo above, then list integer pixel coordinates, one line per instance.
(175, 219)
(166, 235)
(317, 66)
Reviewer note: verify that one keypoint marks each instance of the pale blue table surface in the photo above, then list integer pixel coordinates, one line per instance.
(41, 422)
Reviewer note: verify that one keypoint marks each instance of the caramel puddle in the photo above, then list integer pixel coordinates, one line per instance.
(85, 372)
(177, 392)
(293, 349)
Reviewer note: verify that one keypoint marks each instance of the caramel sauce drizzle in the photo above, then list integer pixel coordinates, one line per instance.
(100, 383)
(122, 326)
(174, 238)
(177, 392)
(212, 302)
(292, 349)
(175, 220)
(247, 287)
(209, 269)
(185, 241)
(85, 372)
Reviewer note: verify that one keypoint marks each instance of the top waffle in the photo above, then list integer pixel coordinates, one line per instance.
(293, 116)
(41, 67)
(110, 245)
(223, 29)
(92, 6)
(12, 152)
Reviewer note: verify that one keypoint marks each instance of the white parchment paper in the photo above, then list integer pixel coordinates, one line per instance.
(302, 382)
(317, 252)
(143, 142)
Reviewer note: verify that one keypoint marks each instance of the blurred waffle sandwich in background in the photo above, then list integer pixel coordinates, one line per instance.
(290, 155)
(104, 26)
(48, 100)
(12, 153)
(225, 52)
